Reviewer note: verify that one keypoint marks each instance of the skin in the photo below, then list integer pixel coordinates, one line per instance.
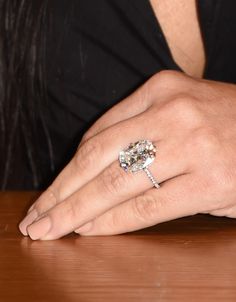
(193, 124)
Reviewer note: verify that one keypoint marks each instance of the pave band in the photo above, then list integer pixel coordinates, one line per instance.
(138, 156)
(150, 176)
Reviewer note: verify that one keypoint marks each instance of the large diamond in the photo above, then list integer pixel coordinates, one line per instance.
(137, 156)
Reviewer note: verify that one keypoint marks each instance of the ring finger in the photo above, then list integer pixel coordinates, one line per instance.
(110, 188)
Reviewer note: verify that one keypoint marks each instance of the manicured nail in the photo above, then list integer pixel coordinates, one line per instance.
(40, 228)
(84, 228)
(30, 218)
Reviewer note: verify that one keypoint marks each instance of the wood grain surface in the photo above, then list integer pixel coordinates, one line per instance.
(190, 259)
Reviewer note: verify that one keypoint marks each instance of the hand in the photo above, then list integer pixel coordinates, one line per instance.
(193, 124)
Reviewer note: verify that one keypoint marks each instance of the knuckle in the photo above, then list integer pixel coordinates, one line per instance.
(113, 180)
(222, 179)
(185, 106)
(219, 187)
(163, 79)
(53, 195)
(71, 212)
(170, 79)
(112, 221)
(145, 207)
(207, 140)
(167, 76)
(88, 154)
(87, 135)
(218, 175)
(183, 110)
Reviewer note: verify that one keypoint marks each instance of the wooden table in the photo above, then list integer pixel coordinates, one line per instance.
(190, 259)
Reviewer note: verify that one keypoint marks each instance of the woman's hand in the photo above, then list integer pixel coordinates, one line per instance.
(193, 124)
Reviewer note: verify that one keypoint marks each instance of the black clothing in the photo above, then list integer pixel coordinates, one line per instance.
(101, 51)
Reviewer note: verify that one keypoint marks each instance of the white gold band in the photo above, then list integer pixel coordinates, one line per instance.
(150, 176)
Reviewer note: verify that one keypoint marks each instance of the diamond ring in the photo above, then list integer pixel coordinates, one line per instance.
(138, 156)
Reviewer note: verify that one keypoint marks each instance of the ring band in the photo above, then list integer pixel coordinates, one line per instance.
(138, 156)
(150, 176)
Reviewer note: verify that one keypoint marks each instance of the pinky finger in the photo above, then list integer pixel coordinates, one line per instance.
(176, 198)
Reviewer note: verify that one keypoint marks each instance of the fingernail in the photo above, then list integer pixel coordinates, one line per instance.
(30, 218)
(84, 228)
(40, 228)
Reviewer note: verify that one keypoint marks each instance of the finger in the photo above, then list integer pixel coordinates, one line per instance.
(138, 102)
(173, 200)
(71, 178)
(108, 189)
(94, 156)
(102, 150)
(127, 110)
